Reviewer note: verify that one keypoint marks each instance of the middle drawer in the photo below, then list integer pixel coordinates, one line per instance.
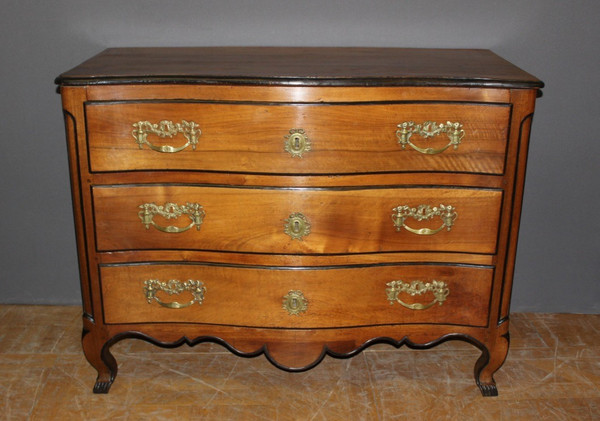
(296, 220)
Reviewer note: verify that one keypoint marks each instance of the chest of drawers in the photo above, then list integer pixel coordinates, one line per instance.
(297, 202)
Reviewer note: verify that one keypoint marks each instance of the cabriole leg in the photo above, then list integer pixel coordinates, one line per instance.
(98, 356)
(489, 363)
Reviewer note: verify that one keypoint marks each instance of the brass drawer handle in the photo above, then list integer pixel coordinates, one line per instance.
(173, 286)
(295, 303)
(166, 128)
(429, 129)
(171, 211)
(297, 226)
(424, 212)
(438, 288)
(297, 143)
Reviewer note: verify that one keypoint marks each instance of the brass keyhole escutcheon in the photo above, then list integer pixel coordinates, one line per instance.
(297, 226)
(295, 303)
(297, 143)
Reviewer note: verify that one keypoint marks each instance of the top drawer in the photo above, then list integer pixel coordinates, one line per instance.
(284, 138)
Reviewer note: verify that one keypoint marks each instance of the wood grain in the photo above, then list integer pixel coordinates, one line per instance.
(306, 65)
(339, 297)
(252, 220)
(297, 94)
(344, 138)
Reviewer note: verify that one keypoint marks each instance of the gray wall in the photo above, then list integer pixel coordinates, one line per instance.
(558, 259)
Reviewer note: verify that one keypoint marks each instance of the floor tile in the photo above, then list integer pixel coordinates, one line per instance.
(552, 372)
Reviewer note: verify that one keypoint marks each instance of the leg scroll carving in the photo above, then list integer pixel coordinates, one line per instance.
(96, 350)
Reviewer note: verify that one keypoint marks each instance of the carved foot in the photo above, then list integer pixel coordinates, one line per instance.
(102, 387)
(488, 389)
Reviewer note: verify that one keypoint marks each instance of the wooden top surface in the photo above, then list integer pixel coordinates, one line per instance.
(325, 66)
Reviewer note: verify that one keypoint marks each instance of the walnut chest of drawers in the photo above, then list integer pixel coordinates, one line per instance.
(297, 202)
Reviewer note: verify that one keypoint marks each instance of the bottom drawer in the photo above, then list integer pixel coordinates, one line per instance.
(297, 297)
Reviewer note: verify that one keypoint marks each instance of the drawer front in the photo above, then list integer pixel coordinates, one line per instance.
(297, 138)
(296, 221)
(296, 297)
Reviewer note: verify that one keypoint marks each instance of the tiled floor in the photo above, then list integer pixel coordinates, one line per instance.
(552, 372)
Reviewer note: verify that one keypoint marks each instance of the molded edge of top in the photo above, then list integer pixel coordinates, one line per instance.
(299, 66)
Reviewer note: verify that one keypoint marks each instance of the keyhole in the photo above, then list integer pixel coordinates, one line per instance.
(294, 303)
(297, 142)
(296, 227)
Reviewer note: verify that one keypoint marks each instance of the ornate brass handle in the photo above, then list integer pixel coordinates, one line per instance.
(166, 128)
(429, 129)
(297, 226)
(173, 286)
(424, 212)
(297, 143)
(438, 288)
(170, 211)
(295, 303)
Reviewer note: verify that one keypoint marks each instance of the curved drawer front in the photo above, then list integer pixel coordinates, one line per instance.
(297, 138)
(296, 221)
(296, 297)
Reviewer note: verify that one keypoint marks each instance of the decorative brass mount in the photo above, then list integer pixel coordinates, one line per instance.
(170, 211)
(166, 128)
(424, 212)
(173, 286)
(438, 288)
(295, 303)
(297, 226)
(297, 143)
(429, 129)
